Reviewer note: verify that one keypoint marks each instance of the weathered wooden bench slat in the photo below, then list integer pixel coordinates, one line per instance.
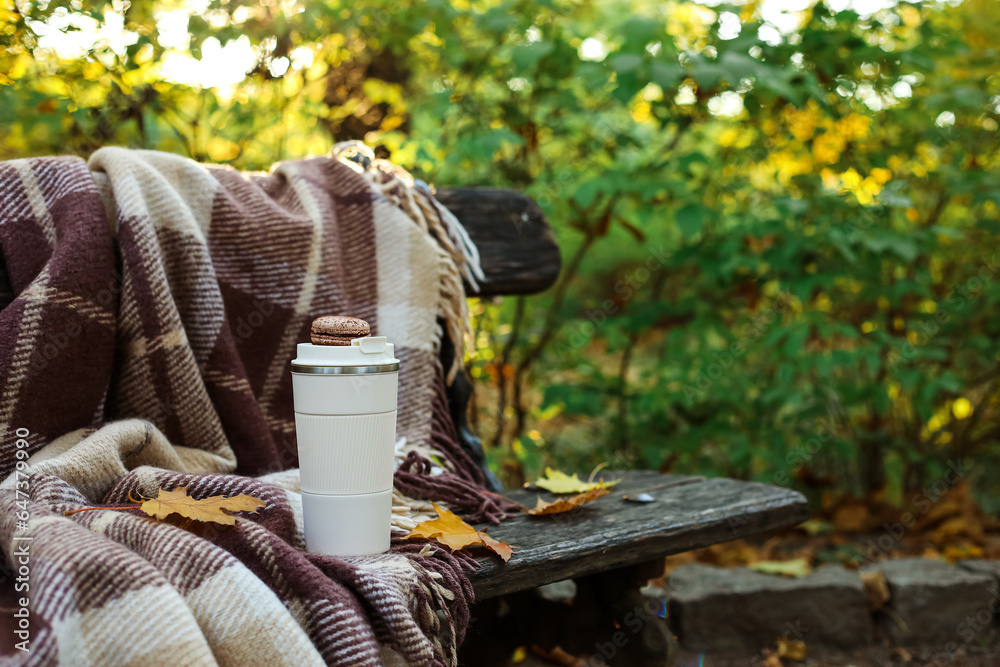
(518, 251)
(687, 513)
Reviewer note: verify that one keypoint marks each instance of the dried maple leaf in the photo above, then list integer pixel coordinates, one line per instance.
(561, 505)
(502, 549)
(448, 529)
(207, 509)
(451, 531)
(179, 502)
(557, 481)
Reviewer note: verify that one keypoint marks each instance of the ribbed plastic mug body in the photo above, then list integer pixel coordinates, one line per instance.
(345, 423)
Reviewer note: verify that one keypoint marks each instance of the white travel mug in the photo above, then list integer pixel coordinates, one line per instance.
(345, 423)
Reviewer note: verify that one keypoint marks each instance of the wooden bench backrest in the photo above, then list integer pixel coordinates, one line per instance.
(519, 255)
(518, 250)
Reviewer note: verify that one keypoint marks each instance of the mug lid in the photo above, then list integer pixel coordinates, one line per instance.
(371, 353)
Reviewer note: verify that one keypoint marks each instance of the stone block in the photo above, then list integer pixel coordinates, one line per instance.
(740, 611)
(935, 604)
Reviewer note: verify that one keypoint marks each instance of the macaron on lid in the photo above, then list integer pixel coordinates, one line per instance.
(337, 330)
(339, 341)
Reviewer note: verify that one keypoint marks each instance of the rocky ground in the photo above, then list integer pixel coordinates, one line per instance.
(871, 657)
(863, 583)
(909, 611)
(973, 656)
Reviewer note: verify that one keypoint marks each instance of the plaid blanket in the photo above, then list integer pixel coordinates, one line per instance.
(158, 303)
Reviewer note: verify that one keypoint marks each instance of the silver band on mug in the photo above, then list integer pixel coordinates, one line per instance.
(345, 370)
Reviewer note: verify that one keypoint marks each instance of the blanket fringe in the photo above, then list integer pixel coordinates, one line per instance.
(413, 479)
(458, 256)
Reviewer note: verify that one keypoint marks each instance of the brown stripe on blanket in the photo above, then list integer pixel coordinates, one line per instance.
(57, 337)
(158, 304)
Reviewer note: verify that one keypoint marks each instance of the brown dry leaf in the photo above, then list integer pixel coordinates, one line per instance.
(876, 590)
(501, 549)
(678, 560)
(561, 505)
(793, 649)
(944, 510)
(902, 654)
(771, 659)
(991, 547)
(952, 530)
(558, 656)
(451, 531)
(207, 509)
(851, 517)
(956, 504)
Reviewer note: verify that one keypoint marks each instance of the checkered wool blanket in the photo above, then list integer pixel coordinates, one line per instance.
(158, 304)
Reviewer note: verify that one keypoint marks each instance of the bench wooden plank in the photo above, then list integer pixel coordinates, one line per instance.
(518, 251)
(688, 513)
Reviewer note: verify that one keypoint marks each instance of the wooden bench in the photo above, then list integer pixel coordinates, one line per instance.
(612, 547)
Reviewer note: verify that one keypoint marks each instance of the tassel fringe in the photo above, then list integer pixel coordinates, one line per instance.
(458, 256)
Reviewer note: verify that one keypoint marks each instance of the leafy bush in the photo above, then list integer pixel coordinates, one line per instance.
(779, 231)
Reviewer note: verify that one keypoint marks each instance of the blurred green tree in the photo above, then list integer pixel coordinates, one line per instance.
(780, 226)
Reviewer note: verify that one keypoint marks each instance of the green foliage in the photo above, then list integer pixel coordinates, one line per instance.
(779, 248)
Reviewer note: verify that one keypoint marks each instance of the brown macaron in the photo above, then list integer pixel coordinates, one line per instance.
(337, 330)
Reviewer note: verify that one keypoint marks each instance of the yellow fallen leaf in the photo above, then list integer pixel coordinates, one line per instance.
(954, 552)
(451, 531)
(207, 509)
(797, 567)
(448, 529)
(793, 649)
(557, 481)
(178, 501)
(816, 527)
(561, 505)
